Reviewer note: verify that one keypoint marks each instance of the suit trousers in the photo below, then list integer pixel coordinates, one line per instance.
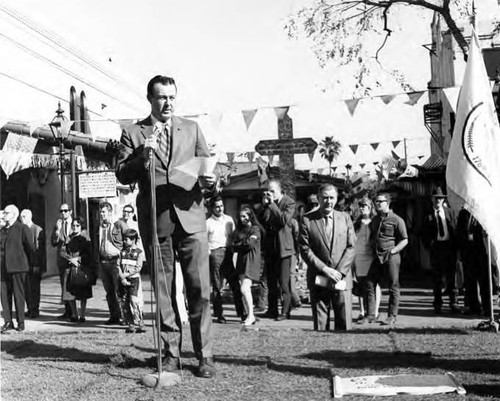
(221, 266)
(62, 277)
(278, 272)
(111, 283)
(33, 292)
(192, 251)
(263, 293)
(324, 300)
(13, 285)
(390, 268)
(444, 264)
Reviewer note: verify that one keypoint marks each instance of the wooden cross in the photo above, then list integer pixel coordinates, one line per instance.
(286, 146)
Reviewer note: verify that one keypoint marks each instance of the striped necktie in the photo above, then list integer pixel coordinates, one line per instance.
(163, 133)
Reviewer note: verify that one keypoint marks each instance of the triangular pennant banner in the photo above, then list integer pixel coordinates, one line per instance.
(375, 163)
(250, 156)
(248, 116)
(362, 165)
(334, 168)
(281, 111)
(354, 148)
(351, 105)
(420, 157)
(387, 98)
(311, 156)
(452, 96)
(395, 155)
(375, 145)
(414, 97)
(395, 143)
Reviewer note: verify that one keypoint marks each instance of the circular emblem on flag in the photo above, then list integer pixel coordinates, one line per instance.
(476, 140)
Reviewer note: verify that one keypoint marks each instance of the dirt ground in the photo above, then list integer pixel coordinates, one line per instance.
(56, 360)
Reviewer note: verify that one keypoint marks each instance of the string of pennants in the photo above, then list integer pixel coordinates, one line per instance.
(352, 104)
(232, 156)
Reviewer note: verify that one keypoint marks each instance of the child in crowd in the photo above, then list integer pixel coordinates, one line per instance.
(130, 264)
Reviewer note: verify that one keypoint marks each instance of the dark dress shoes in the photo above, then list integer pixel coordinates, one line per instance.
(269, 315)
(281, 317)
(112, 321)
(170, 364)
(65, 315)
(206, 369)
(221, 319)
(20, 327)
(7, 326)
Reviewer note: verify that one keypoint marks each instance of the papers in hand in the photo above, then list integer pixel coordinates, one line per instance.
(186, 174)
(326, 282)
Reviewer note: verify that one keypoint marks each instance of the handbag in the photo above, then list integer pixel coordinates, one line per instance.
(77, 278)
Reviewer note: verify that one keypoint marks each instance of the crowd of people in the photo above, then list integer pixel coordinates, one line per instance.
(262, 250)
(196, 251)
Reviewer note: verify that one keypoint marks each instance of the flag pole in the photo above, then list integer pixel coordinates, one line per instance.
(489, 325)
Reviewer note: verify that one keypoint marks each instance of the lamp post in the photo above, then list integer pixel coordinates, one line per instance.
(59, 126)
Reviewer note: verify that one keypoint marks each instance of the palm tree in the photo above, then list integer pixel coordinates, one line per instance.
(330, 150)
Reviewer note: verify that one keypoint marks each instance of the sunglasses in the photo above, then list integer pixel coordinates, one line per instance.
(128, 211)
(381, 200)
(64, 210)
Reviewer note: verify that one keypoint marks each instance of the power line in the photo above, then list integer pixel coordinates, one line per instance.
(54, 96)
(61, 43)
(65, 70)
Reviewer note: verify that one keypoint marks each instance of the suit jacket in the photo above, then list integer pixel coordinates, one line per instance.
(277, 221)
(39, 245)
(59, 241)
(187, 141)
(17, 248)
(430, 226)
(319, 253)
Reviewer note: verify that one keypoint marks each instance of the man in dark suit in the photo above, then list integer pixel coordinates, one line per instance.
(439, 237)
(16, 258)
(276, 217)
(38, 267)
(327, 243)
(180, 216)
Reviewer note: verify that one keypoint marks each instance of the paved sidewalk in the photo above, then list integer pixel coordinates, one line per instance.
(415, 312)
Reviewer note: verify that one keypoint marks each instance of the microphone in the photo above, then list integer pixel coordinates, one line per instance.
(154, 135)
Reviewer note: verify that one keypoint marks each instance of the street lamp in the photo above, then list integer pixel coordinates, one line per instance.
(59, 126)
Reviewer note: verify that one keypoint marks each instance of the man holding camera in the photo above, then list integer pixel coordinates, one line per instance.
(278, 211)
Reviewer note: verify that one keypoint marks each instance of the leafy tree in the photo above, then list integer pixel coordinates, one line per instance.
(330, 149)
(342, 31)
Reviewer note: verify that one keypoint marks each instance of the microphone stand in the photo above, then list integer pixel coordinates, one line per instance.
(155, 257)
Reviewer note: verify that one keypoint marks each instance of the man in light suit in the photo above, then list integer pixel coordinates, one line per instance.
(277, 213)
(180, 217)
(59, 238)
(326, 242)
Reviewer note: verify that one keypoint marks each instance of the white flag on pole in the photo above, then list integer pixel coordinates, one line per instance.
(473, 167)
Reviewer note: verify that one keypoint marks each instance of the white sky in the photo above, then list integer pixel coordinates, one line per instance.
(226, 55)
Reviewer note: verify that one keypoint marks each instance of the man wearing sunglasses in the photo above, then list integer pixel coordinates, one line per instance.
(59, 238)
(388, 233)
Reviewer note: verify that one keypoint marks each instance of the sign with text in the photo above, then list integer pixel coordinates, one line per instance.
(101, 184)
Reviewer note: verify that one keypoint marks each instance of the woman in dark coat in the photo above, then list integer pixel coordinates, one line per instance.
(246, 242)
(79, 254)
